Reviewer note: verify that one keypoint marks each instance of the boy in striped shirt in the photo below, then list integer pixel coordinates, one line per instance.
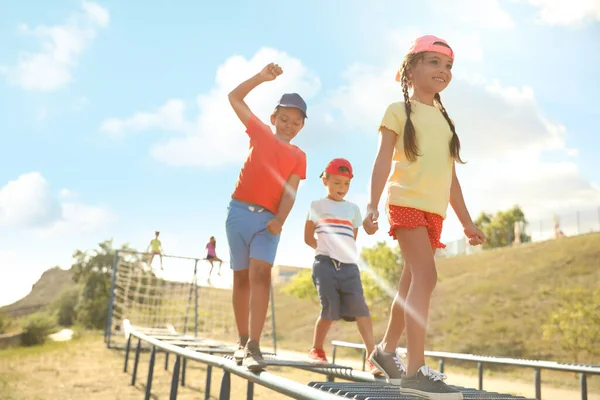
(335, 271)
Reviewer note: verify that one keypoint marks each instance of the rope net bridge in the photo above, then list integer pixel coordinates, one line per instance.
(180, 311)
(181, 296)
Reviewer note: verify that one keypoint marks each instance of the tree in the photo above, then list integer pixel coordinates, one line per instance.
(66, 306)
(94, 270)
(383, 269)
(499, 229)
(302, 287)
(575, 326)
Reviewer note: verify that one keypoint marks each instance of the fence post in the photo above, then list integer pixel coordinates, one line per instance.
(538, 383)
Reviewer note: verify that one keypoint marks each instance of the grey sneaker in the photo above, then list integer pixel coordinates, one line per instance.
(390, 364)
(253, 359)
(429, 384)
(239, 354)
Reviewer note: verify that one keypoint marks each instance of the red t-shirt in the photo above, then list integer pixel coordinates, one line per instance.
(267, 168)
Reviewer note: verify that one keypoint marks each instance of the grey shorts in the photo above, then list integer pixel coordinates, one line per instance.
(340, 289)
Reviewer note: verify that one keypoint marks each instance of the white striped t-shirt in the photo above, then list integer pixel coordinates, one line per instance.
(335, 222)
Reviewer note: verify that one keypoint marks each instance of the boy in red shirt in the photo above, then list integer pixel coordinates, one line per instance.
(263, 197)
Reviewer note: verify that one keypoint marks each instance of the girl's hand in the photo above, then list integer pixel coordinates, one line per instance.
(274, 226)
(475, 235)
(370, 224)
(270, 72)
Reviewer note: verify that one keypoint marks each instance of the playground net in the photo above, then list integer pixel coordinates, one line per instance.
(181, 296)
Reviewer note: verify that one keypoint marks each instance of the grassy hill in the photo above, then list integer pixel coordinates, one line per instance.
(50, 285)
(493, 302)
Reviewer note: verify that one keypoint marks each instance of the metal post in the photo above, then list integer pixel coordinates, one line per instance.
(225, 386)
(127, 347)
(538, 383)
(331, 378)
(150, 373)
(250, 391)
(208, 380)
(183, 372)
(364, 358)
(175, 379)
(480, 374)
(108, 330)
(136, 362)
(196, 299)
(273, 321)
(583, 385)
(441, 365)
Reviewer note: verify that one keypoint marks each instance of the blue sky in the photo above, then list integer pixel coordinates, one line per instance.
(116, 122)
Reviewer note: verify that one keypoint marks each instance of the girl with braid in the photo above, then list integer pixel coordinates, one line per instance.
(419, 137)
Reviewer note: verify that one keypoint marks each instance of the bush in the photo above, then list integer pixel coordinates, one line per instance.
(66, 306)
(4, 323)
(37, 328)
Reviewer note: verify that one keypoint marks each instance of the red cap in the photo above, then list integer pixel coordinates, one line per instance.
(429, 43)
(339, 166)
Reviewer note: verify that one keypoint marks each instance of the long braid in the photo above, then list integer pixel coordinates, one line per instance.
(411, 148)
(454, 142)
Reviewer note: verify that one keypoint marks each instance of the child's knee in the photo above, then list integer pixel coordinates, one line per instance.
(241, 280)
(425, 276)
(260, 272)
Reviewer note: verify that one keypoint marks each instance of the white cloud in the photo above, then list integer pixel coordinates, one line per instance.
(504, 136)
(52, 67)
(574, 13)
(68, 193)
(216, 136)
(29, 202)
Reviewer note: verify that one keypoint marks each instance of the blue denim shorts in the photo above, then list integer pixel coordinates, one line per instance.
(247, 234)
(340, 289)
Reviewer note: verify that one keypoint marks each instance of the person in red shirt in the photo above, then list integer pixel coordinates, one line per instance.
(263, 197)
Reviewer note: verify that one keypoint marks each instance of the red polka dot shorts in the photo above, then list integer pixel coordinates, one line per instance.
(406, 217)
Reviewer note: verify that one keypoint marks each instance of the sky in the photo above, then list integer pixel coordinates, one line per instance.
(115, 119)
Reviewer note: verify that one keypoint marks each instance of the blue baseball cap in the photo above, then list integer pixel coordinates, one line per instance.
(293, 100)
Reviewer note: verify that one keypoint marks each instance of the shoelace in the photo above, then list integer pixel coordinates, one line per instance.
(431, 374)
(398, 360)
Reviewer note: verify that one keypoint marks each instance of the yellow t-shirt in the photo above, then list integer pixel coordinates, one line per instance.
(155, 243)
(425, 183)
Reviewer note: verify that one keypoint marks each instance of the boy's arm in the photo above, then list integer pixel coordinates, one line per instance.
(309, 234)
(288, 198)
(237, 95)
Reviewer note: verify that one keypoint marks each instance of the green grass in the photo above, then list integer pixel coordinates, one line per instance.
(491, 303)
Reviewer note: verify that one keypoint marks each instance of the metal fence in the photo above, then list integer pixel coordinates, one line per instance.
(187, 348)
(182, 355)
(538, 366)
(574, 223)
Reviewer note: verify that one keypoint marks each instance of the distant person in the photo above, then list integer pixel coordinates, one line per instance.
(335, 272)
(211, 255)
(264, 195)
(418, 137)
(154, 248)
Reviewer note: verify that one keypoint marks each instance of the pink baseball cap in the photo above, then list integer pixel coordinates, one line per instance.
(429, 43)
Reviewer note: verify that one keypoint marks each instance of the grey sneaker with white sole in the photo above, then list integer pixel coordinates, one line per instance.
(390, 364)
